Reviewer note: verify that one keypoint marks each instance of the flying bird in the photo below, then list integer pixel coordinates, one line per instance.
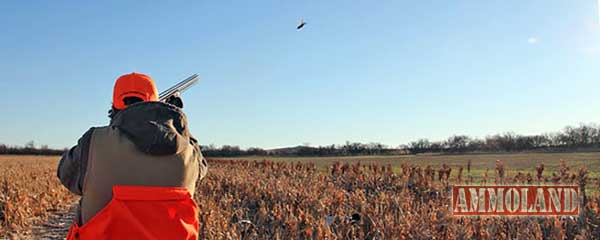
(302, 23)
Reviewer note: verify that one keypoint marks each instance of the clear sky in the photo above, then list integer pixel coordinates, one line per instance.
(368, 71)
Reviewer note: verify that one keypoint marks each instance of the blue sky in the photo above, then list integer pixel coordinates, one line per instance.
(384, 71)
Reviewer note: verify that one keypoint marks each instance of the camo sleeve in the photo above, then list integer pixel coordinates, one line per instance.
(73, 164)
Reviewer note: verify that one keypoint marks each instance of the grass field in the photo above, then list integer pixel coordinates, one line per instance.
(514, 162)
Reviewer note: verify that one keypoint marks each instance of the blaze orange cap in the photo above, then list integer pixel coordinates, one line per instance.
(134, 85)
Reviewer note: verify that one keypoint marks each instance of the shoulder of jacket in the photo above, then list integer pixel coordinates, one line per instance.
(94, 131)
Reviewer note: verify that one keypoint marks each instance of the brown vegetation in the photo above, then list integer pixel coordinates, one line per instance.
(242, 199)
(29, 192)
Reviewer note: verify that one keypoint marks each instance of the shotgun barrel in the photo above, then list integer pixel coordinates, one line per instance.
(178, 88)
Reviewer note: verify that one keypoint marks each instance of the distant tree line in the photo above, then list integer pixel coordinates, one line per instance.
(347, 149)
(29, 149)
(571, 138)
(585, 136)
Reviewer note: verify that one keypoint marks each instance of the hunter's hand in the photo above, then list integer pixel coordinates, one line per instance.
(175, 100)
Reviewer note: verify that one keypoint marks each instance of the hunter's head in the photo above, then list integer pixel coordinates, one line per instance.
(132, 88)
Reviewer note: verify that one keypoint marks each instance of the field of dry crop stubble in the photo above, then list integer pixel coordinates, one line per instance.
(283, 199)
(244, 199)
(29, 192)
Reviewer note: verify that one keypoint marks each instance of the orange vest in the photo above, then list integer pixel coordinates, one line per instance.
(140, 212)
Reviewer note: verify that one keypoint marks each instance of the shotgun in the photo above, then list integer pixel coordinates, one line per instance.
(178, 88)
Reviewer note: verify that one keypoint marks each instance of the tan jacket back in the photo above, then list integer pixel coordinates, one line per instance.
(115, 160)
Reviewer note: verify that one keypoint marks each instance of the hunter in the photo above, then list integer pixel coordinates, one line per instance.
(136, 176)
